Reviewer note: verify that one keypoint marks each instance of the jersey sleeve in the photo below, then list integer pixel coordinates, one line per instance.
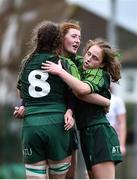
(94, 78)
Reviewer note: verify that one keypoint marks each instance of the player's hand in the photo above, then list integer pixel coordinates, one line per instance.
(19, 112)
(69, 120)
(52, 67)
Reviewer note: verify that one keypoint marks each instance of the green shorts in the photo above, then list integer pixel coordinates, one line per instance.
(99, 143)
(47, 141)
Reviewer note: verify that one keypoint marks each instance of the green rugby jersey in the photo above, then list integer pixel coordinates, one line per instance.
(41, 91)
(88, 114)
(70, 66)
(78, 60)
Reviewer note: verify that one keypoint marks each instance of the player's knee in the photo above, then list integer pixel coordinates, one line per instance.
(35, 170)
(60, 168)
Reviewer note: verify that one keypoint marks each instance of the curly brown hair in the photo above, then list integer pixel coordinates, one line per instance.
(110, 60)
(46, 37)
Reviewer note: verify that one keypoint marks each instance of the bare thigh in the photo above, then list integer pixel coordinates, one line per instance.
(104, 170)
(72, 170)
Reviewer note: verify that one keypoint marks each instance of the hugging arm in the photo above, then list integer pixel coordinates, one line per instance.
(95, 99)
(81, 89)
(78, 87)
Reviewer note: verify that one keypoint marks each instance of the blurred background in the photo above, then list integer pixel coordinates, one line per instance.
(114, 20)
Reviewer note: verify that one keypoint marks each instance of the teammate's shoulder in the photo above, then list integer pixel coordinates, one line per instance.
(48, 56)
(62, 58)
(66, 60)
(101, 72)
(98, 72)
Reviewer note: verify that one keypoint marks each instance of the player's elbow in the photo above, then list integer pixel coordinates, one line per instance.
(83, 91)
